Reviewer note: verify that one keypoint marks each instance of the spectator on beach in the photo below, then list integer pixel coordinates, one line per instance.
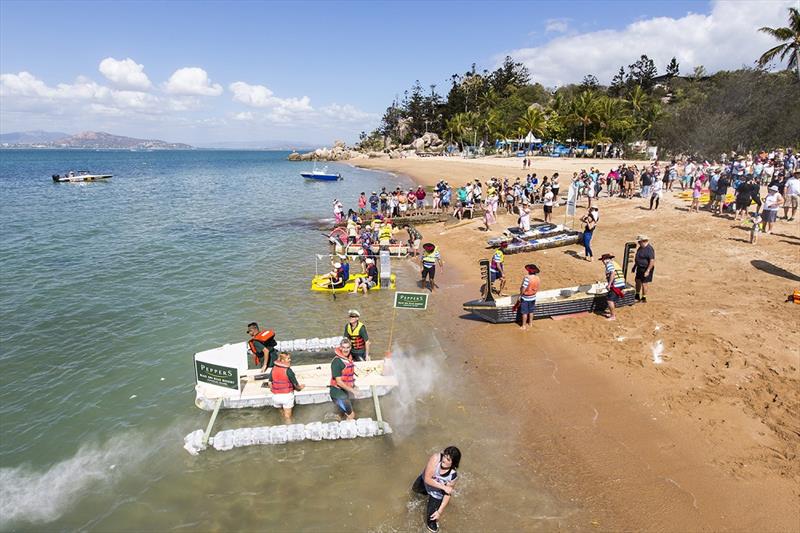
(643, 265)
(697, 192)
(437, 482)
(525, 217)
(554, 186)
(420, 194)
(744, 196)
(791, 190)
(755, 228)
(362, 203)
(589, 220)
(615, 283)
(719, 196)
(655, 193)
(548, 205)
(772, 203)
(374, 201)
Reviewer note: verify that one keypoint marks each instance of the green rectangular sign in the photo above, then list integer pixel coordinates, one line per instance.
(411, 300)
(221, 376)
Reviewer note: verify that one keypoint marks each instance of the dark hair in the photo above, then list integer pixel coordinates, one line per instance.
(454, 454)
(252, 325)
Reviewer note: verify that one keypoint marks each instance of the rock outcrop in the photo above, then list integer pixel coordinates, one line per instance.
(429, 143)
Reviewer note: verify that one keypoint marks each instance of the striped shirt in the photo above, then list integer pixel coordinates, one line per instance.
(615, 270)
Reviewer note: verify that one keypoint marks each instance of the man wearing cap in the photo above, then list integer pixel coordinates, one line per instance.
(643, 265)
(615, 279)
(374, 200)
(356, 332)
(414, 239)
(527, 296)
(429, 259)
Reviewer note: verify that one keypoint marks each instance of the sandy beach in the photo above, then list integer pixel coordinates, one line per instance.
(706, 440)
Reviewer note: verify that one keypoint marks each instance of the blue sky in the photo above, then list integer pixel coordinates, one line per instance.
(319, 70)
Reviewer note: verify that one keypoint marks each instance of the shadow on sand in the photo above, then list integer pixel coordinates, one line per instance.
(769, 268)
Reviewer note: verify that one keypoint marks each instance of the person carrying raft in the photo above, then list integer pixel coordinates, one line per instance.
(282, 383)
(437, 482)
(430, 258)
(343, 380)
(356, 332)
(262, 345)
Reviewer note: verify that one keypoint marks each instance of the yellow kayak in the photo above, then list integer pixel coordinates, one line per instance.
(317, 281)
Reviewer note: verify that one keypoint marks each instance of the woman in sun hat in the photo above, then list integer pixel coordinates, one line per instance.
(772, 203)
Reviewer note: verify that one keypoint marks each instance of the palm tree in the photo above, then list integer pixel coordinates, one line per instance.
(648, 121)
(612, 117)
(455, 127)
(490, 123)
(637, 99)
(791, 46)
(583, 111)
(533, 120)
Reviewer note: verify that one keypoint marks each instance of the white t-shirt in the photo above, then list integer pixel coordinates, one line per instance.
(771, 201)
(548, 198)
(792, 187)
(657, 186)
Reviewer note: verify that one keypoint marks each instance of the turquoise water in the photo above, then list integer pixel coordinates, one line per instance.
(108, 289)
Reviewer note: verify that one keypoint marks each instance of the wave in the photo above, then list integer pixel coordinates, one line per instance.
(31, 496)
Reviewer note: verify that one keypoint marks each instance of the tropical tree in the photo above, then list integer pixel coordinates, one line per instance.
(583, 111)
(790, 47)
(649, 119)
(455, 128)
(612, 118)
(534, 120)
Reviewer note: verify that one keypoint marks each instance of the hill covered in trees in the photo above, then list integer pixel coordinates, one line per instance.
(695, 114)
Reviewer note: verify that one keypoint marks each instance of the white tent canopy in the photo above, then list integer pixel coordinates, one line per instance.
(530, 138)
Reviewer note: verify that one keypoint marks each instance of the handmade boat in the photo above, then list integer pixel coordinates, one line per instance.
(350, 286)
(321, 175)
(222, 375)
(395, 250)
(559, 239)
(590, 297)
(78, 176)
(536, 231)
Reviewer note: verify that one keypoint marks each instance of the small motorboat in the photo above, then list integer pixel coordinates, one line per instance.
(77, 176)
(321, 175)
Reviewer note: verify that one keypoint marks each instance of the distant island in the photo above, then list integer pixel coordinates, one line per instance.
(87, 140)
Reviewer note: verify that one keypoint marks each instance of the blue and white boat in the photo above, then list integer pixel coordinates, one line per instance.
(322, 175)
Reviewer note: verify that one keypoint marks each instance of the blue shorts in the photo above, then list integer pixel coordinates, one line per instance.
(494, 276)
(525, 307)
(344, 405)
(612, 297)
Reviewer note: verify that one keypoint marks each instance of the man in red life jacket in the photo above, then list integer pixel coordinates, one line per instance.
(527, 295)
(356, 332)
(282, 384)
(343, 380)
(262, 345)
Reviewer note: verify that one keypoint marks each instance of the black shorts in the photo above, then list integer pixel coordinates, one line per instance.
(429, 272)
(548, 209)
(612, 297)
(641, 277)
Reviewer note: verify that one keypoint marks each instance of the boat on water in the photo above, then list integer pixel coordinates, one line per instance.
(590, 297)
(536, 231)
(321, 175)
(75, 176)
(319, 284)
(222, 375)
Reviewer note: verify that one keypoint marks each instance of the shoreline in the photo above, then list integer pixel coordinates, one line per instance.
(685, 445)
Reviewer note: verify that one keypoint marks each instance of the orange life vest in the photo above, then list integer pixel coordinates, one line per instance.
(533, 285)
(262, 337)
(796, 296)
(281, 384)
(356, 340)
(348, 373)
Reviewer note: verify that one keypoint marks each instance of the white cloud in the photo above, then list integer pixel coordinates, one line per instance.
(192, 81)
(346, 113)
(726, 38)
(244, 116)
(260, 96)
(558, 25)
(125, 73)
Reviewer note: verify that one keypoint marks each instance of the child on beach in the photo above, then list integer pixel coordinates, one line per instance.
(755, 220)
(697, 191)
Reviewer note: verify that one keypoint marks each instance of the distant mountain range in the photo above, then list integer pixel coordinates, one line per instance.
(93, 140)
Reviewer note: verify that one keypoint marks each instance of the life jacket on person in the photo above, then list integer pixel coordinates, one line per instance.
(263, 337)
(372, 273)
(348, 373)
(281, 384)
(533, 285)
(356, 340)
(344, 273)
(429, 258)
(497, 260)
(385, 233)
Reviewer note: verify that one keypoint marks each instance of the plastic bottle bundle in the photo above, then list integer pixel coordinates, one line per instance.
(243, 437)
(193, 442)
(277, 435)
(300, 345)
(330, 431)
(313, 345)
(313, 431)
(261, 436)
(296, 432)
(366, 427)
(347, 429)
(223, 440)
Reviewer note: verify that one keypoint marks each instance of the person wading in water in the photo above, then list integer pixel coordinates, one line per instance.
(437, 481)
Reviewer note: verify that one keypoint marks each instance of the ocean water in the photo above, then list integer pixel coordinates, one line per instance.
(108, 289)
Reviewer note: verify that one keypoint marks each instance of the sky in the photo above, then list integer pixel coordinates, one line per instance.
(237, 71)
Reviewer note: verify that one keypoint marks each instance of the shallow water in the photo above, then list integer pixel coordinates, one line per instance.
(109, 288)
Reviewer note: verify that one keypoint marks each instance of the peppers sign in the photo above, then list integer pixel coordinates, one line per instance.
(410, 300)
(221, 376)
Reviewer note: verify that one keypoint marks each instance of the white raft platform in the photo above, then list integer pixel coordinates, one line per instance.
(222, 374)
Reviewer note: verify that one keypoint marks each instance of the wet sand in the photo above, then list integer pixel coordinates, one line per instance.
(707, 440)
